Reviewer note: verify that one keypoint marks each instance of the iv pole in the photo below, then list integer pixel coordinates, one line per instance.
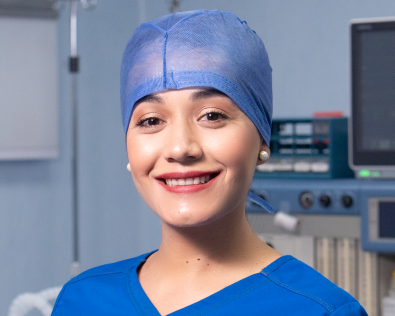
(174, 5)
(74, 69)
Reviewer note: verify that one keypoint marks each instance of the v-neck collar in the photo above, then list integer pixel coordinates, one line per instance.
(230, 293)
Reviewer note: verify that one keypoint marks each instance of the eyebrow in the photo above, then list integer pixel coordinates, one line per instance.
(198, 95)
(207, 93)
(149, 98)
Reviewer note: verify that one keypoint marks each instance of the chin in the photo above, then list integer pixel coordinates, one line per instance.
(190, 216)
(186, 218)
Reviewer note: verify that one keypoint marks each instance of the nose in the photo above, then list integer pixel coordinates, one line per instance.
(182, 143)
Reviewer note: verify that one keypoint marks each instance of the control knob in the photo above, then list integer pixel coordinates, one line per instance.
(347, 200)
(325, 200)
(306, 199)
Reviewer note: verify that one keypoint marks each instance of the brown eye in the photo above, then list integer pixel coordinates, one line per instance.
(151, 121)
(213, 116)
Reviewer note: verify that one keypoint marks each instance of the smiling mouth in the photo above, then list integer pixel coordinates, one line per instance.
(189, 181)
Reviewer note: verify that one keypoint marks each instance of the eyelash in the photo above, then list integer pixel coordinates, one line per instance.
(142, 121)
(220, 113)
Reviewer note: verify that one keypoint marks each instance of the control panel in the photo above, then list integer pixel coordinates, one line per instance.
(378, 216)
(313, 148)
(373, 201)
(337, 196)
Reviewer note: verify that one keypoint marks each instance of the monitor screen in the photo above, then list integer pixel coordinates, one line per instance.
(373, 93)
(387, 219)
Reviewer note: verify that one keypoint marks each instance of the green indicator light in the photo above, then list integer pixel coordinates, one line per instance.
(376, 174)
(364, 173)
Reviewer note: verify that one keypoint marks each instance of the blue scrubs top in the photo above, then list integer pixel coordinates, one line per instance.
(285, 287)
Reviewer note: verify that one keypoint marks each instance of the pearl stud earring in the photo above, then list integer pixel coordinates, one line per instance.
(263, 155)
(128, 167)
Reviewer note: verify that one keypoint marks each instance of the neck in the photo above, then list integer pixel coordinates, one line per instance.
(226, 240)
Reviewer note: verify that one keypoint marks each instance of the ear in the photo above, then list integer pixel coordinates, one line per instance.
(264, 147)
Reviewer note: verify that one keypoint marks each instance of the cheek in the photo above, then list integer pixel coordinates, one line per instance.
(237, 149)
(142, 156)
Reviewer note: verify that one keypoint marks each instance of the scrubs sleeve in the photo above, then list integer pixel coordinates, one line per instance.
(350, 309)
(57, 311)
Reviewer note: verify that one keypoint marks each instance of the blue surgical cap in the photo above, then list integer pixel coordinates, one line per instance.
(200, 48)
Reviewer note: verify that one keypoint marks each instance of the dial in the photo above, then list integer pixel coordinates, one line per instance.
(347, 200)
(306, 199)
(325, 200)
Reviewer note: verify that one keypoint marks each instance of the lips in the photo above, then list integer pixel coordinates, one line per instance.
(187, 182)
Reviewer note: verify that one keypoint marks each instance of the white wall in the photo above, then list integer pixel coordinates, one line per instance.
(28, 88)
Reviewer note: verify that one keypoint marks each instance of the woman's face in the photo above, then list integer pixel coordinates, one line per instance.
(192, 154)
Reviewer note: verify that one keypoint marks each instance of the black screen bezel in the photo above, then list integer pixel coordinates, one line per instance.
(365, 157)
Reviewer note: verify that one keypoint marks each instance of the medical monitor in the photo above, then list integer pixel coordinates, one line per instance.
(372, 124)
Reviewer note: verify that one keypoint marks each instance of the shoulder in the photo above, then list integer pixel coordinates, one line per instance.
(95, 289)
(111, 268)
(297, 279)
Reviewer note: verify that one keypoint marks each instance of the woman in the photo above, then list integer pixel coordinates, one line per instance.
(196, 106)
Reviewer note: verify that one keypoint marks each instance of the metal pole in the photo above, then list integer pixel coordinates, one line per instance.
(174, 6)
(74, 65)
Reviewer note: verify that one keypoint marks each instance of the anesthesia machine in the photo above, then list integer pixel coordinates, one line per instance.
(332, 180)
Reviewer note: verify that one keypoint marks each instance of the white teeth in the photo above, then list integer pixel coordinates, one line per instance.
(188, 181)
